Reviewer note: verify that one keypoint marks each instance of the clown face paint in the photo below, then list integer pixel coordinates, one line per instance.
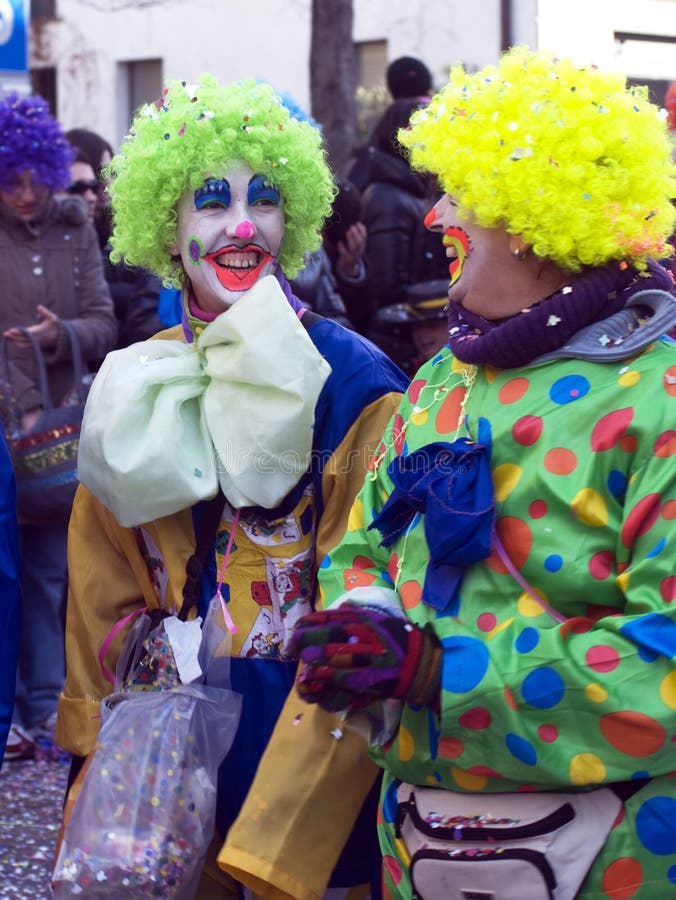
(477, 257)
(228, 235)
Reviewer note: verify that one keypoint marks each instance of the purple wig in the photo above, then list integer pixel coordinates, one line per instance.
(32, 140)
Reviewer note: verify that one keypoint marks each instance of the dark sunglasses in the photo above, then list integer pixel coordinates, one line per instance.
(81, 187)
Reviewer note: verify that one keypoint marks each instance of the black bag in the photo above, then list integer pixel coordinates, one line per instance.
(45, 458)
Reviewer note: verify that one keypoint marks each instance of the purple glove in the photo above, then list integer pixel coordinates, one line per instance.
(356, 655)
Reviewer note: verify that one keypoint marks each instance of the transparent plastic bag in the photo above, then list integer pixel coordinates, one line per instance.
(144, 817)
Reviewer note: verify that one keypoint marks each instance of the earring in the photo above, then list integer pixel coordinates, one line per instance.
(520, 253)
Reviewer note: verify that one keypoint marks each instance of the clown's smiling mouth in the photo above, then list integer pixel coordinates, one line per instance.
(237, 268)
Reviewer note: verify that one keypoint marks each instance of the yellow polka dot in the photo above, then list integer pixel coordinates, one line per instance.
(199, 329)
(355, 520)
(468, 780)
(490, 374)
(629, 379)
(668, 690)
(590, 508)
(595, 692)
(622, 581)
(419, 418)
(586, 768)
(505, 479)
(499, 628)
(155, 802)
(528, 607)
(406, 744)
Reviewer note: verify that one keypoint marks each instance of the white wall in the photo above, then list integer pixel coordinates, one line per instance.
(270, 39)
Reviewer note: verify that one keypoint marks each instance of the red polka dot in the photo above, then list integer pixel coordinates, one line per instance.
(610, 429)
(633, 733)
(602, 658)
(398, 434)
(393, 868)
(537, 509)
(575, 625)
(560, 461)
(665, 445)
(356, 576)
(392, 566)
(517, 539)
(641, 519)
(410, 593)
(622, 878)
(450, 748)
(548, 733)
(670, 381)
(450, 410)
(486, 622)
(476, 719)
(668, 589)
(527, 430)
(669, 510)
(601, 565)
(414, 389)
(376, 456)
(484, 771)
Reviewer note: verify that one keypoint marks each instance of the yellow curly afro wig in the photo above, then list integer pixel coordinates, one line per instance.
(195, 129)
(570, 158)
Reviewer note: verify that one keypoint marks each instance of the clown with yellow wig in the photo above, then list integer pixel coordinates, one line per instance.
(507, 578)
(222, 457)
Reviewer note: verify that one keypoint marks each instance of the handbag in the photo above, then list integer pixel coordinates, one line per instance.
(45, 457)
(502, 846)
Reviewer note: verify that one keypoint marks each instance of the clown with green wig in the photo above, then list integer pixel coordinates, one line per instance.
(236, 441)
(501, 608)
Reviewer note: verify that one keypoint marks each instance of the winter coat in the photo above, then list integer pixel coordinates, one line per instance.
(54, 262)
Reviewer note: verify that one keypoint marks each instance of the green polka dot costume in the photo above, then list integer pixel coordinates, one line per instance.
(583, 456)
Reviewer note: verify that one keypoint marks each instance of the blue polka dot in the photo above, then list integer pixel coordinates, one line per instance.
(387, 578)
(617, 483)
(654, 633)
(527, 640)
(553, 563)
(326, 562)
(543, 688)
(657, 549)
(655, 825)
(389, 803)
(521, 749)
(465, 664)
(671, 874)
(568, 389)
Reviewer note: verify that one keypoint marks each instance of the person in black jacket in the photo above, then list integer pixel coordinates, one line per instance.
(399, 251)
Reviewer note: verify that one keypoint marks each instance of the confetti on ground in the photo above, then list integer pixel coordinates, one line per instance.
(31, 800)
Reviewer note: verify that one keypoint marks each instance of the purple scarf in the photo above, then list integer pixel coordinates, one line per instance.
(544, 327)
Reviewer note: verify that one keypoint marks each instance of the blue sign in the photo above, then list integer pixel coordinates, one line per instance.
(14, 15)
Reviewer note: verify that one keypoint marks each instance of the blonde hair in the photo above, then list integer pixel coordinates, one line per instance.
(568, 157)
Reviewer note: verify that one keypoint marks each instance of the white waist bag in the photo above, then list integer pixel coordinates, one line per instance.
(502, 846)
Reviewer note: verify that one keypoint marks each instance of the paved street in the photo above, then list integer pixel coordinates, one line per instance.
(31, 797)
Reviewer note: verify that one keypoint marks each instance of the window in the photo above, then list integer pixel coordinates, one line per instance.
(139, 81)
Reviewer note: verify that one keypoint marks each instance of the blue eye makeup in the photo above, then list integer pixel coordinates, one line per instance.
(261, 192)
(214, 192)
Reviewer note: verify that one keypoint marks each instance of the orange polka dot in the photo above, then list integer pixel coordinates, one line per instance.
(448, 417)
(513, 390)
(560, 461)
(629, 443)
(622, 878)
(665, 444)
(450, 748)
(670, 381)
(517, 539)
(669, 510)
(509, 699)
(633, 733)
(410, 593)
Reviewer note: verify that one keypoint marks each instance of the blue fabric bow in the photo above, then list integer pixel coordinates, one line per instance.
(452, 485)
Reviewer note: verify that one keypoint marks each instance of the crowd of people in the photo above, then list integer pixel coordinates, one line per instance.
(413, 429)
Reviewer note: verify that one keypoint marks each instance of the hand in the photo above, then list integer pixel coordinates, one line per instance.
(46, 332)
(351, 250)
(356, 655)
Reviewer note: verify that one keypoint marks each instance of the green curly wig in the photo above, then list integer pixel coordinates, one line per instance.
(570, 158)
(193, 131)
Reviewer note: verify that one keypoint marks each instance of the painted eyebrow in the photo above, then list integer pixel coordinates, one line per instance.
(214, 190)
(259, 189)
